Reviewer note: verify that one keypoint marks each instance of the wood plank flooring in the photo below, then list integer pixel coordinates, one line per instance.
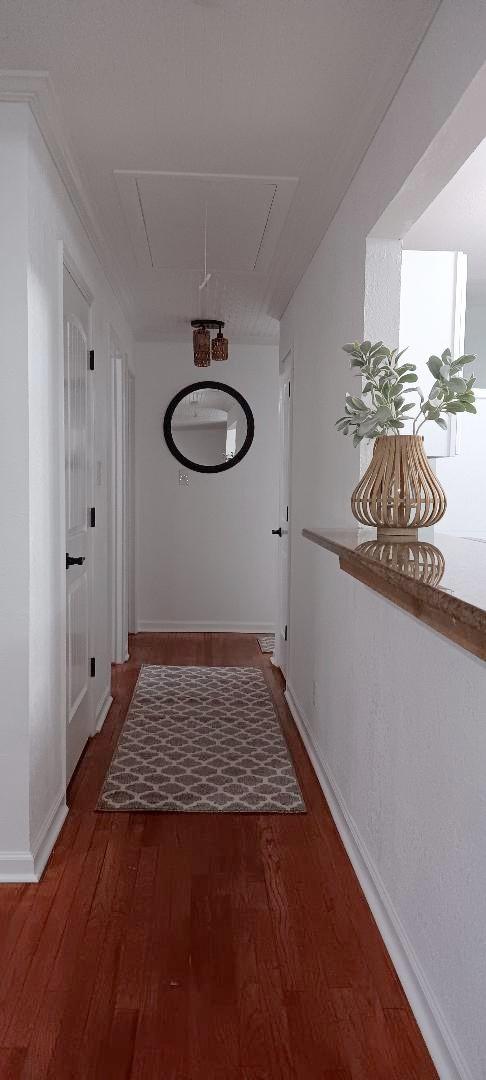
(198, 947)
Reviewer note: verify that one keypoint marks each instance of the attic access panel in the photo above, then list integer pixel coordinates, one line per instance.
(165, 214)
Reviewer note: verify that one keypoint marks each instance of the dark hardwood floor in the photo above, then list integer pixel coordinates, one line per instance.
(198, 947)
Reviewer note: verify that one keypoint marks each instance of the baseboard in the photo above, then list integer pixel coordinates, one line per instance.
(441, 1044)
(103, 708)
(28, 866)
(147, 626)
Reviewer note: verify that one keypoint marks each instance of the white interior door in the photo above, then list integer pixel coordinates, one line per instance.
(282, 531)
(432, 318)
(77, 421)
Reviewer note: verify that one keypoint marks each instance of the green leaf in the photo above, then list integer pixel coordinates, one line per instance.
(454, 407)
(446, 356)
(365, 347)
(459, 385)
(441, 422)
(352, 348)
(380, 415)
(409, 378)
(434, 365)
(468, 407)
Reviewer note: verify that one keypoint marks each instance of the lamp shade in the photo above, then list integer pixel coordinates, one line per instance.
(202, 347)
(219, 347)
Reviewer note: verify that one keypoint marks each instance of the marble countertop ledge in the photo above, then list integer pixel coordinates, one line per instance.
(441, 581)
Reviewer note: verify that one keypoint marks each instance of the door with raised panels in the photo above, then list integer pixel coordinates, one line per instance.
(77, 424)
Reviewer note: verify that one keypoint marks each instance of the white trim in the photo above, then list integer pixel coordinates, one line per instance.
(282, 639)
(35, 89)
(61, 477)
(440, 1041)
(131, 502)
(118, 497)
(147, 626)
(103, 708)
(17, 867)
(28, 866)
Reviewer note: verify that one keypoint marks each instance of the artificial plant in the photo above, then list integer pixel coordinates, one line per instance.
(383, 407)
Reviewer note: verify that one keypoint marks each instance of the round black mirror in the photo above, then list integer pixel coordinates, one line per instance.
(209, 427)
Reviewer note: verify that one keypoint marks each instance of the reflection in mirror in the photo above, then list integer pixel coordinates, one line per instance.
(209, 426)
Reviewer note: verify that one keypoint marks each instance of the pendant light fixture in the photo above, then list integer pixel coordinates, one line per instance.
(204, 348)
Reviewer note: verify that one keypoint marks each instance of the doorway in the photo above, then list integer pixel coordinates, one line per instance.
(78, 427)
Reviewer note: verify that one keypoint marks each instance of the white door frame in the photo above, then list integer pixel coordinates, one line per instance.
(282, 634)
(121, 517)
(131, 563)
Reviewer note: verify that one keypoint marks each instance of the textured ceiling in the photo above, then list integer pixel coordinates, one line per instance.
(265, 88)
(456, 221)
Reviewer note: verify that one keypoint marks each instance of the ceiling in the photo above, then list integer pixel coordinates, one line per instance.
(262, 109)
(456, 221)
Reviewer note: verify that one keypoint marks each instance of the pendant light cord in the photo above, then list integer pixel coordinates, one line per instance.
(207, 276)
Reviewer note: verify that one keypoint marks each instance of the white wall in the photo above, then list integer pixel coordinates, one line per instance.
(463, 476)
(44, 219)
(476, 339)
(407, 767)
(205, 553)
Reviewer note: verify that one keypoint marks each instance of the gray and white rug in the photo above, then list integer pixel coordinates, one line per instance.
(202, 739)
(266, 642)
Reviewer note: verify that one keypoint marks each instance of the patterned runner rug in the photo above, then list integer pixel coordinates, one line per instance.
(266, 642)
(202, 739)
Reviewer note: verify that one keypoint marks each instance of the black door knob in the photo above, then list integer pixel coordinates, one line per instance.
(74, 562)
(277, 532)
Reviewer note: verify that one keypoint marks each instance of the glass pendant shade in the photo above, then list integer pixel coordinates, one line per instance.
(202, 347)
(219, 348)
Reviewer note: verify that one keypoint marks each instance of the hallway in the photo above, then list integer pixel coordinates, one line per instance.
(198, 947)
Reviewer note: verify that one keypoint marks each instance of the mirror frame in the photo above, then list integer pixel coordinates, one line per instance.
(224, 465)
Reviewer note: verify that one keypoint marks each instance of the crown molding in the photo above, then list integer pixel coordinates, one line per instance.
(35, 89)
